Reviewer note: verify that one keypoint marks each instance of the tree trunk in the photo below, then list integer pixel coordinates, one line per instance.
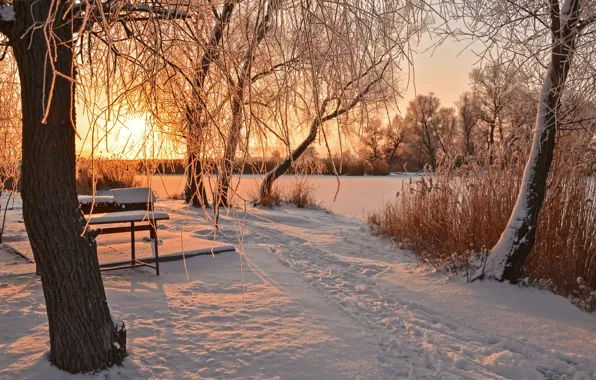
(511, 251)
(491, 143)
(516, 242)
(227, 168)
(83, 336)
(433, 160)
(284, 166)
(194, 189)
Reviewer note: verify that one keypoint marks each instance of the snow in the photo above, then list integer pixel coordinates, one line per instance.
(520, 215)
(126, 216)
(118, 323)
(318, 297)
(7, 13)
(121, 196)
(133, 195)
(87, 199)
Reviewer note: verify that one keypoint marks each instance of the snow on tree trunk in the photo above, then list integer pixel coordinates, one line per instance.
(509, 254)
(82, 335)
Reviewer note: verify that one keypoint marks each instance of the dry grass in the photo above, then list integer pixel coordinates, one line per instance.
(176, 196)
(274, 199)
(454, 217)
(107, 174)
(299, 191)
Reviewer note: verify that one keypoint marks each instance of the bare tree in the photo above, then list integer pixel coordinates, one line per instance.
(197, 113)
(238, 88)
(468, 112)
(394, 138)
(373, 137)
(423, 122)
(446, 129)
(347, 54)
(43, 39)
(492, 86)
(557, 35)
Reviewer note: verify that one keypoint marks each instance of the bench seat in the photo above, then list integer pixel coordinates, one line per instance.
(126, 217)
(88, 199)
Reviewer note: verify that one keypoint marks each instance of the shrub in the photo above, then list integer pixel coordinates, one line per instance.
(274, 198)
(107, 174)
(175, 196)
(299, 191)
(378, 167)
(452, 218)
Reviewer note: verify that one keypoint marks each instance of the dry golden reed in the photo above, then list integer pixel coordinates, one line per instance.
(453, 217)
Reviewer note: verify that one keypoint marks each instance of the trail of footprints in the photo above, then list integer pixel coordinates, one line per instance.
(414, 341)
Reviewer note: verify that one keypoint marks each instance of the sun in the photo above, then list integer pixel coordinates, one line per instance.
(136, 127)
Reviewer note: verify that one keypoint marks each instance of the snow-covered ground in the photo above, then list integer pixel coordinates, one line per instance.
(317, 297)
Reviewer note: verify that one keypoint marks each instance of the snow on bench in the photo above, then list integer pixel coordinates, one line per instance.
(126, 217)
(133, 195)
(129, 205)
(135, 198)
(88, 199)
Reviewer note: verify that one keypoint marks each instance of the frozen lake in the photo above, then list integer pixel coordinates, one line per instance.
(357, 195)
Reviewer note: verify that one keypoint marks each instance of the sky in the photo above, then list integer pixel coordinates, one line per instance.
(443, 70)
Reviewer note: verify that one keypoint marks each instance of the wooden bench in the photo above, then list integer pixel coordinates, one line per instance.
(124, 206)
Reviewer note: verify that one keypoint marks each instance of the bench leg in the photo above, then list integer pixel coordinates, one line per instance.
(153, 234)
(133, 256)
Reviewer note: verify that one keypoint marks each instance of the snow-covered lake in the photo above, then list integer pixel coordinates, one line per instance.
(356, 197)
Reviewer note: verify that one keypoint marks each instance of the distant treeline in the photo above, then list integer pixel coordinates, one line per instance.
(351, 165)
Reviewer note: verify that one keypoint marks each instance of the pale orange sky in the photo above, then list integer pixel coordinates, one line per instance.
(443, 71)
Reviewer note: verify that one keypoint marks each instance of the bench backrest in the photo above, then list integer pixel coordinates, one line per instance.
(133, 195)
(127, 199)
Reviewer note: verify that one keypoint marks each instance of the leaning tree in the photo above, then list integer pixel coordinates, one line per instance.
(44, 38)
(558, 36)
(348, 55)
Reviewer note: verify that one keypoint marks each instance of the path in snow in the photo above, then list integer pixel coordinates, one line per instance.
(359, 275)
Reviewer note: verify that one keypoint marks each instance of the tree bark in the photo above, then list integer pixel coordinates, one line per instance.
(511, 251)
(227, 168)
(517, 240)
(83, 336)
(194, 189)
(284, 166)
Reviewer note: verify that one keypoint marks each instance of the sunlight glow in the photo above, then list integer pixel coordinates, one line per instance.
(136, 128)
